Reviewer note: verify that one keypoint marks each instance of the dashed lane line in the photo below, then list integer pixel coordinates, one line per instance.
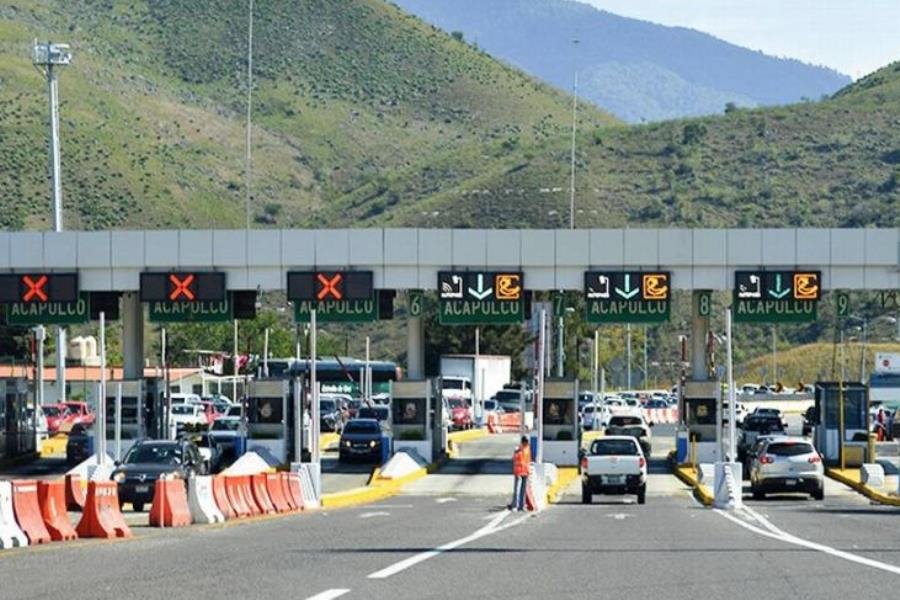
(330, 594)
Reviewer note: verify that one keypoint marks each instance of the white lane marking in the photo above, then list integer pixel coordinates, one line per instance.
(369, 515)
(329, 594)
(775, 533)
(617, 516)
(445, 500)
(491, 528)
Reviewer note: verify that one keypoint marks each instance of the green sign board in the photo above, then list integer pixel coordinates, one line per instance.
(842, 301)
(776, 296)
(50, 313)
(704, 304)
(559, 304)
(774, 311)
(481, 312)
(416, 300)
(627, 297)
(191, 312)
(337, 311)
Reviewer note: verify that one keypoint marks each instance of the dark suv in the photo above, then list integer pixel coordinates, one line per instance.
(147, 461)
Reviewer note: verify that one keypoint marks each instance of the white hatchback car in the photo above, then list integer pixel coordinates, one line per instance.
(786, 465)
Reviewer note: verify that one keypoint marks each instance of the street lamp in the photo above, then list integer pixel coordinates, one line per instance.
(48, 58)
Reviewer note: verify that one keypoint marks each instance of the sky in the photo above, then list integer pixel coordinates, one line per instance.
(854, 37)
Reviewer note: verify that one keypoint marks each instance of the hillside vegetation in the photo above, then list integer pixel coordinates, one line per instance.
(366, 116)
(813, 362)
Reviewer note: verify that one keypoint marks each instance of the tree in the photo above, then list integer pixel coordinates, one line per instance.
(458, 36)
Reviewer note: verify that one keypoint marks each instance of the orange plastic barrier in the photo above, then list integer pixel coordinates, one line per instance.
(220, 495)
(296, 490)
(52, 498)
(170, 505)
(261, 493)
(276, 493)
(236, 497)
(28, 511)
(246, 484)
(74, 493)
(102, 517)
(286, 491)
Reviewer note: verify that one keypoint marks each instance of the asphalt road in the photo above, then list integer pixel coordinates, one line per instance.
(670, 548)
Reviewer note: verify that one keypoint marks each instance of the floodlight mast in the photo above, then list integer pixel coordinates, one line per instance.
(48, 58)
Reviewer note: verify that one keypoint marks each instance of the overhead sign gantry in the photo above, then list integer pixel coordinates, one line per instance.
(195, 296)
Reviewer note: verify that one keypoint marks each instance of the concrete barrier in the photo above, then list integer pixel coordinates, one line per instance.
(201, 502)
(170, 504)
(872, 475)
(11, 535)
(52, 498)
(28, 511)
(220, 495)
(102, 517)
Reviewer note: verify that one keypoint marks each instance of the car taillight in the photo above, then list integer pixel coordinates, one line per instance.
(642, 462)
(766, 459)
(814, 459)
(584, 463)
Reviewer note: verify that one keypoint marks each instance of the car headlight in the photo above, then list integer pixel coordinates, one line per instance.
(119, 477)
(347, 443)
(372, 444)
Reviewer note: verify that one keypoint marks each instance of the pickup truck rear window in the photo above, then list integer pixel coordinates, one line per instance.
(624, 421)
(614, 448)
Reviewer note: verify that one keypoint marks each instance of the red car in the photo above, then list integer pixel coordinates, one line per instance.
(78, 413)
(56, 415)
(210, 412)
(460, 413)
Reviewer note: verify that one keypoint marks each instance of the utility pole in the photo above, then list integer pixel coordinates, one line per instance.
(48, 58)
(774, 358)
(249, 157)
(574, 130)
(646, 375)
(628, 356)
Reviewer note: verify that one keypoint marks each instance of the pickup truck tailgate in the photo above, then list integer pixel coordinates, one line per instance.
(613, 465)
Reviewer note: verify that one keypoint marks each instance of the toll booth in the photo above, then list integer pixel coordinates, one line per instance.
(699, 408)
(132, 419)
(827, 422)
(559, 416)
(415, 427)
(17, 433)
(266, 410)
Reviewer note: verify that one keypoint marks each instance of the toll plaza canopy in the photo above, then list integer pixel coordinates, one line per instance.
(412, 258)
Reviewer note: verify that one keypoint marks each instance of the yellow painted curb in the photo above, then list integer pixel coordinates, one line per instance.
(54, 446)
(379, 488)
(467, 436)
(688, 475)
(850, 477)
(566, 475)
(326, 440)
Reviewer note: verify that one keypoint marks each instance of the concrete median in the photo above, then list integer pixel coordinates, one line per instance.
(852, 478)
(11, 535)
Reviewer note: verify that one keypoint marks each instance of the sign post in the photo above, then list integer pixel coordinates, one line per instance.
(481, 298)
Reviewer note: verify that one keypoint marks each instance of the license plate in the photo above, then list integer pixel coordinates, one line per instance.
(142, 489)
(613, 479)
(790, 482)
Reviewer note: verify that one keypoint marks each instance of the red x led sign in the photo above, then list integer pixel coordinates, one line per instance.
(38, 288)
(183, 287)
(323, 286)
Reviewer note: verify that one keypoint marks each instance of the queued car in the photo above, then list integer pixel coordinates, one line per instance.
(56, 416)
(754, 426)
(78, 413)
(225, 432)
(361, 439)
(382, 414)
(187, 416)
(614, 465)
(631, 426)
(147, 461)
(460, 414)
(787, 465)
(353, 406)
(211, 411)
(330, 415)
(80, 444)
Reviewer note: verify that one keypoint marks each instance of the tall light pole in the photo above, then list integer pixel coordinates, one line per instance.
(249, 155)
(48, 58)
(574, 130)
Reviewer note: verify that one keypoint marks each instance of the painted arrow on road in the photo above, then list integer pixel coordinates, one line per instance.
(481, 293)
(628, 293)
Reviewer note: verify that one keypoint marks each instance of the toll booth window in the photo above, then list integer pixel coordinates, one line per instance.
(266, 410)
(558, 411)
(701, 412)
(409, 411)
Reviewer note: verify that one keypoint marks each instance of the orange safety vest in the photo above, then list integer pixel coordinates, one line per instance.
(521, 461)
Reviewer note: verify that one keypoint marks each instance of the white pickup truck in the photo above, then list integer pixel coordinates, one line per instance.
(614, 465)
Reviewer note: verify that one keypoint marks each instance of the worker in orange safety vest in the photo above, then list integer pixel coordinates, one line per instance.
(521, 466)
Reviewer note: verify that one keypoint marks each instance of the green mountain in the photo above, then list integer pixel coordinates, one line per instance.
(358, 107)
(364, 116)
